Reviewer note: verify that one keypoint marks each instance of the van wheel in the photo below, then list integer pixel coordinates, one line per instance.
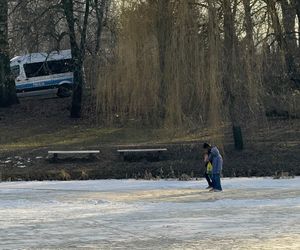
(64, 91)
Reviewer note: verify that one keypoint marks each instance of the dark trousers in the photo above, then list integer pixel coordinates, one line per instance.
(216, 181)
(208, 179)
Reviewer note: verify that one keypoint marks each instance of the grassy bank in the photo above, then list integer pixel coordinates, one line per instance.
(29, 130)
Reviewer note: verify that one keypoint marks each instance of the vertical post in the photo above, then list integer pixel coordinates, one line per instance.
(238, 137)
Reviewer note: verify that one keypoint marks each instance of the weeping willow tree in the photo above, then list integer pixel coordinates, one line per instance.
(129, 86)
(214, 76)
(187, 64)
(160, 72)
(184, 76)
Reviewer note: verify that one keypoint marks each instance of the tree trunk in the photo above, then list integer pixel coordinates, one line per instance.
(164, 36)
(249, 27)
(281, 39)
(78, 53)
(229, 77)
(250, 71)
(50, 32)
(296, 5)
(290, 40)
(213, 64)
(238, 137)
(100, 9)
(271, 4)
(7, 83)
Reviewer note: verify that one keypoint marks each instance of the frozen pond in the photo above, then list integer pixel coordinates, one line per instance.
(258, 213)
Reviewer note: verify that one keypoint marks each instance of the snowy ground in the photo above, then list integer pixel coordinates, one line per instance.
(258, 213)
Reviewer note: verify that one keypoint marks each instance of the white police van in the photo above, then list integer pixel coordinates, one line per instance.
(43, 73)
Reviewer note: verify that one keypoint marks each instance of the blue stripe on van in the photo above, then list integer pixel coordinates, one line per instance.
(43, 84)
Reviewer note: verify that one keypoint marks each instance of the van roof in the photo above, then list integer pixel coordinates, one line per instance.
(41, 57)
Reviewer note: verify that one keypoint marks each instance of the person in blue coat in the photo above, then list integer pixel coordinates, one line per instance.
(217, 162)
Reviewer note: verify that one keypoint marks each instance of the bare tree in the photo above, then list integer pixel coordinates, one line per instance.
(249, 26)
(7, 83)
(213, 64)
(296, 5)
(78, 22)
(230, 75)
(37, 26)
(285, 36)
(100, 9)
(164, 28)
(78, 52)
(290, 40)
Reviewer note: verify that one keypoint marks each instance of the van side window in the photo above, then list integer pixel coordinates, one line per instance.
(59, 67)
(48, 68)
(15, 70)
(35, 69)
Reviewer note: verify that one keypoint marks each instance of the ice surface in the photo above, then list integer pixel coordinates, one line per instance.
(251, 213)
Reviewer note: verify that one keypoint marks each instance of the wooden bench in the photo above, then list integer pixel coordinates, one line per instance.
(89, 152)
(154, 152)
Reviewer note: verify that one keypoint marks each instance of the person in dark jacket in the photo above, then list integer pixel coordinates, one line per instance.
(217, 162)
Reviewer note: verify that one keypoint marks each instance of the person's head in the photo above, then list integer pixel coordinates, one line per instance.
(206, 146)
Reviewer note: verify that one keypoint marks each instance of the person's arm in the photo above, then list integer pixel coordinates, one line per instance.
(206, 161)
(210, 157)
(214, 152)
